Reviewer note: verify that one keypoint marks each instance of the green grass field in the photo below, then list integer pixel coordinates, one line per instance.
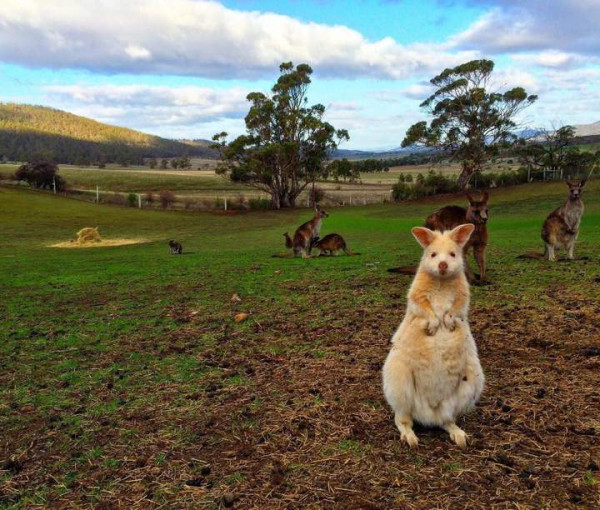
(126, 381)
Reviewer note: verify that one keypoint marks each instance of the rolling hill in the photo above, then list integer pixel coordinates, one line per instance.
(29, 132)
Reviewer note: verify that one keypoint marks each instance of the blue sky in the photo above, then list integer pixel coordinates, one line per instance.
(182, 68)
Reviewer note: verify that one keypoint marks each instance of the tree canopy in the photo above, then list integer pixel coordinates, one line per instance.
(470, 123)
(40, 174)
(286, 141)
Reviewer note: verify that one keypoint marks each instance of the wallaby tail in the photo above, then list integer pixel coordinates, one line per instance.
(350, 253)
(410, 270)
(531, 255)
(283, 255)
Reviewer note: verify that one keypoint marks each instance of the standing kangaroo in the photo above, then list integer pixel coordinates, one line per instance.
(432, 373)
(305, 236)
(561, 228)
(477, 214)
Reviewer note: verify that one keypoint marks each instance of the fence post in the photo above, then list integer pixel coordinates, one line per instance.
(225, 203)
(139, 201)
(54, 184)
(97, 194)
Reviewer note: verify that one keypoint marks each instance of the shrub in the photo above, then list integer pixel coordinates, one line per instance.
(41, 174)
(408, 178)
(259, 203)
(149, 197)
(401, 191)
(132, 199)
(189, 204)
(167, 198)
(316, 195)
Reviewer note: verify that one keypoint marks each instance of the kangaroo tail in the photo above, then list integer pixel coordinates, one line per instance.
(350, 253)
(531, 255)
(283, 255)
(288, 241)
(410, 270)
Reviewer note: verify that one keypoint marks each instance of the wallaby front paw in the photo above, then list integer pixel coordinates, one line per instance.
(450, 321)
(410, 438)
(431, 326)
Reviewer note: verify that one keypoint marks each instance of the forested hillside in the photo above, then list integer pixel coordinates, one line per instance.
(33, 132)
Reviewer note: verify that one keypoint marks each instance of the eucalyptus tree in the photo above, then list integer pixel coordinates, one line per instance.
(471, 124)
(286, 141)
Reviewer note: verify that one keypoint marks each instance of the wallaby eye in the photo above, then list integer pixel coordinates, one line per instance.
(452, 254)
(433, 254)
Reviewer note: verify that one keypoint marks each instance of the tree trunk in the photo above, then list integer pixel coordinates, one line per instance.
(464, 178)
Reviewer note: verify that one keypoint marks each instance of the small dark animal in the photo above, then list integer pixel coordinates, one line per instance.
(175, 248)
(332, 243)
(288, 241)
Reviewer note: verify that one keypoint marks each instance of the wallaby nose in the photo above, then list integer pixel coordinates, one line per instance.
(443, 267)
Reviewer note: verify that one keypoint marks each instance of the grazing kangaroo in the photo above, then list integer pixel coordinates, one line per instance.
(175, 248)
(332, 243)
(432, 373)
(305, 235)
(477, 214)
(561, 228)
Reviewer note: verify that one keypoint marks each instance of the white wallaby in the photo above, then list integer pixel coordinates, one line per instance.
(432, 373)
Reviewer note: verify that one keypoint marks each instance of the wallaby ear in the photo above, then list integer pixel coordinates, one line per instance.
(424, 236)
(485, 197)
(569, 184)
(469, 197)
(460, 235)
(582, 183)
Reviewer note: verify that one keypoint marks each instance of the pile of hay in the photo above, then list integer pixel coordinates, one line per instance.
(88, 235)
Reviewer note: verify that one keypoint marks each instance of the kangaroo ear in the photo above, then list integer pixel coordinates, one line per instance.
(569, 184)
(469, 197)
(582, 183)
(460, 235)
(424, 236)
(485, 197)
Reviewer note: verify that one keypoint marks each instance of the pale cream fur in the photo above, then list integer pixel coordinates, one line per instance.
(432, 373)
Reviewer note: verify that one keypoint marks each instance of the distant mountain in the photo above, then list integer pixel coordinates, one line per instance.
(29, 132)
(587, 129)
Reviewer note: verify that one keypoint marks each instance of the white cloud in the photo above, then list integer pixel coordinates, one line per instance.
(157, 109)
(198, 38)
(137, 52)
(554, 59)
(535, 25)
